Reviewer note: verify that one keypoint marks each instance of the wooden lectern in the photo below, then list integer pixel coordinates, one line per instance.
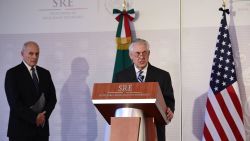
(147, 96)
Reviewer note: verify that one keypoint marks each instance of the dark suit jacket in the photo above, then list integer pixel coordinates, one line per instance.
(153, 75)
(21, 94)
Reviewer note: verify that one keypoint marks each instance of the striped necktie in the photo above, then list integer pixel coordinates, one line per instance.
(35, 79)
(140, 76)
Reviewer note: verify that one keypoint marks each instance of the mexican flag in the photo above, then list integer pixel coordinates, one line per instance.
(123, 39)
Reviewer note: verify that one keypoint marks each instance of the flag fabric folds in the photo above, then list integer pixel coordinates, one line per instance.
(223, 114)
(123, 39)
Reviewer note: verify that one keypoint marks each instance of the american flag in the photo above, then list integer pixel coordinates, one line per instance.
(223, 115)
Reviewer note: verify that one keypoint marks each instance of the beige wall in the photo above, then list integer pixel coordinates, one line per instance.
(182, 36)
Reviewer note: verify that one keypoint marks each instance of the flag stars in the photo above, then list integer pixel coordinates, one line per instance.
(223, 70)
(215, 88)
(221, 58)
(226, 68)
(222, 50)
(225, 35)
(231, 78)
(218, 73)
(223, 43)
(216, 48)
(222, 77)
(219, 66)
(224, 83)
(232, 70)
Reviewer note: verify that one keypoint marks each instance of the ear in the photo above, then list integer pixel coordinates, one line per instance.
(130, 55)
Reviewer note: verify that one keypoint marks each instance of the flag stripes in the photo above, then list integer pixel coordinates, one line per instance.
(207, 133)
(214, 113)
(225, 110)
(223, 115)
(235, 100)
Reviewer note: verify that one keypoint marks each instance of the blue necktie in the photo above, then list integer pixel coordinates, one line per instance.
(35, 79)
(140, 76)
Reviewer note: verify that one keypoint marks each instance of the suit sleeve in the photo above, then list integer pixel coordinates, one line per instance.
(15, 101)
(168, 92)
(50, 97)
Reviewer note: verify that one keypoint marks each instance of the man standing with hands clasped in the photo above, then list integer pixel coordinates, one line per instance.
(31, 96)
(143, 71)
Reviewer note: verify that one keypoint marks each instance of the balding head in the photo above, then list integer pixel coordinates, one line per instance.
(30, 53)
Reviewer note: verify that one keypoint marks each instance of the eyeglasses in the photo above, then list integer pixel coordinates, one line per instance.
(143, 54)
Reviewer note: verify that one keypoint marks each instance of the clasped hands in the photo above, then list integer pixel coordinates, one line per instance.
(40, 119)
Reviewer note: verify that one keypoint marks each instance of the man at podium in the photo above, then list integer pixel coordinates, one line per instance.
(142, 71)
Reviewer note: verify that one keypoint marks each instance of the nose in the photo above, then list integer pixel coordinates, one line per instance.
(141, 55)
(35, 56)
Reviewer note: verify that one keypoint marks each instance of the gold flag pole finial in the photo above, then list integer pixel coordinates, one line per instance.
(224, 4)
(124, 5)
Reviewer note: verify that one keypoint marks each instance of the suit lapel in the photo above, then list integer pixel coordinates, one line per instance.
(28, 78)
(149, 77)
(26, 73)
(132, 74)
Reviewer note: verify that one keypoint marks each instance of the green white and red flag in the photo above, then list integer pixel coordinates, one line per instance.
(123, 38)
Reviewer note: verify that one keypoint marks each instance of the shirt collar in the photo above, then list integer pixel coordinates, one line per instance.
(144, 70)
(27, 66)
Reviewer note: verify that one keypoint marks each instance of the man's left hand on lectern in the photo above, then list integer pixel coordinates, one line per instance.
(169, 114)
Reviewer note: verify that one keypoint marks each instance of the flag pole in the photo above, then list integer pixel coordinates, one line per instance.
(124, 5)
(224, 4)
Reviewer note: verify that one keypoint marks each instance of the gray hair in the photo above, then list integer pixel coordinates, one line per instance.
(26, 44)
(138, 41)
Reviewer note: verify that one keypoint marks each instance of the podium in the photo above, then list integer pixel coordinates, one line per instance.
(144, 99)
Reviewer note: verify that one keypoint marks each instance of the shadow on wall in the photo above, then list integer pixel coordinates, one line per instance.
(199, 109)
(239, 71)
(78, 114)
(199, 115)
